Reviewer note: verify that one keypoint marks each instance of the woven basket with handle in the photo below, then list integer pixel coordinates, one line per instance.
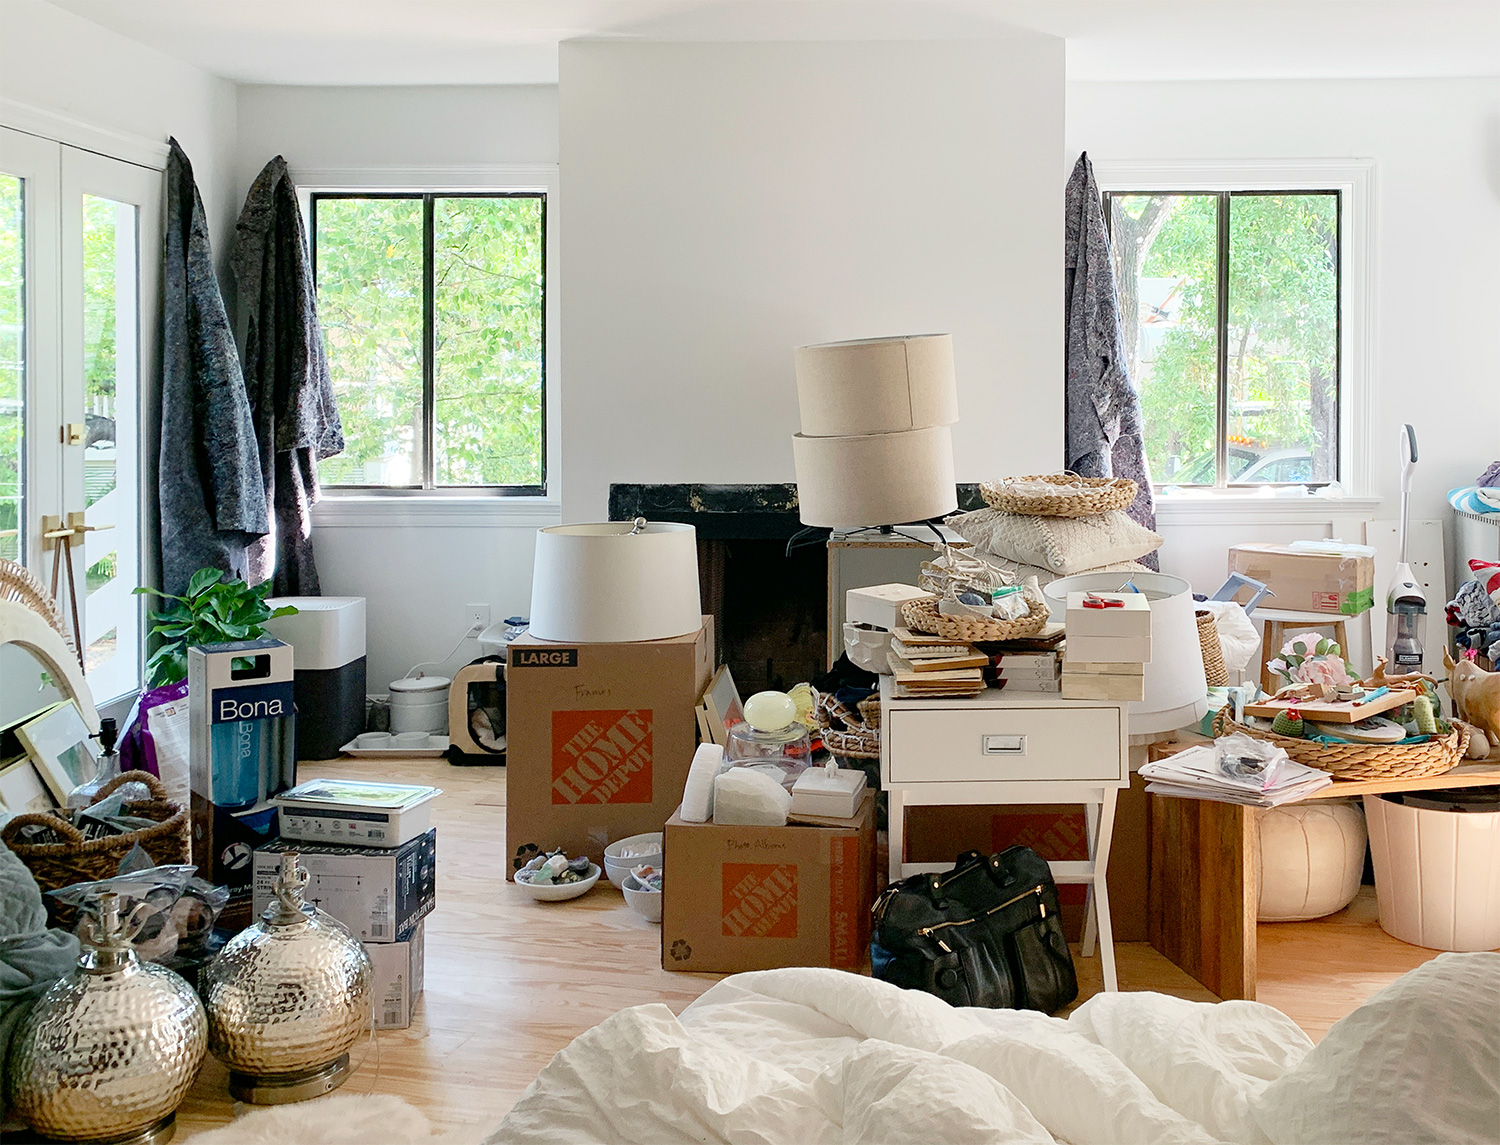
(1362, 760)
(921, 615)
(80, 860)
(1213, 652)
(858, 733)
(1059, 495)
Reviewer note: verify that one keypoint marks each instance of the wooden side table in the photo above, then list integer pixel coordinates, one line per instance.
(1027, 747)
(1280, 621)
(1204, 875)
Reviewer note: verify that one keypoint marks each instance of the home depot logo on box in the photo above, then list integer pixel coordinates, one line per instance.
(760, 900)
(601, 757)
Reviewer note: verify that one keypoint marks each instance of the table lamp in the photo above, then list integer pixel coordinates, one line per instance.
(876, 447)
(615, 582)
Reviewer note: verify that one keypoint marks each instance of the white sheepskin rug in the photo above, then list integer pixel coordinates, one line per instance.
(338, 1119)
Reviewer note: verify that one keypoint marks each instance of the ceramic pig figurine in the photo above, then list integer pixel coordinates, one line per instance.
(1476, 695)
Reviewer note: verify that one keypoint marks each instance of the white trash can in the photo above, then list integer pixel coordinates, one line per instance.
(1437, 866)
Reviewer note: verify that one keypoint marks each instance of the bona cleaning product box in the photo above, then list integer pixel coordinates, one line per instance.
(241, 752)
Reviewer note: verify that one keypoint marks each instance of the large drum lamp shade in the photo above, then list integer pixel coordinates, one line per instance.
(876, 385)
(875, 478)
(616, 582)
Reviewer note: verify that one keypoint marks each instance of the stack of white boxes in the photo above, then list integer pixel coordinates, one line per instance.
(1107, 647)
(1031, 672)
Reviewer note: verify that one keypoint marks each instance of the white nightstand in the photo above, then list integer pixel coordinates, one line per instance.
(1027, 747)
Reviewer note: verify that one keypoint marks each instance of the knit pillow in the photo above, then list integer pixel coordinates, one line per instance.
(1066, 545)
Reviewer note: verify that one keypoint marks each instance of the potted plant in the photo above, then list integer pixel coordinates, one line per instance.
(213, 611)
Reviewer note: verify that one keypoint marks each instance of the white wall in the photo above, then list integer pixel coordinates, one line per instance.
(724, 203)
(418, 562)
(61, 63)
(1436, 246)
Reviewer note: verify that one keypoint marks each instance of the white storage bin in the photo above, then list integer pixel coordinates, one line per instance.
(1437, 871)
(420, 705)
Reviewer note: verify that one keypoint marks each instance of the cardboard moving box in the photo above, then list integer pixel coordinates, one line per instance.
(380, 894)
(757, 898)
(1340, 583)
(399, 969)
(599, 739)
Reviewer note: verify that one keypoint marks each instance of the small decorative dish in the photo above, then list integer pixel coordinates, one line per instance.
(624, 855)
(558, 892)
(644, 899)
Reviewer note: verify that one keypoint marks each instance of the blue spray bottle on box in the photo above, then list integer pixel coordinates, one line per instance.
(240, 757)
(240, 695)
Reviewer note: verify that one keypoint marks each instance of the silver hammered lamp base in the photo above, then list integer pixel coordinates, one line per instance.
(285, 1088)
(158, 1134)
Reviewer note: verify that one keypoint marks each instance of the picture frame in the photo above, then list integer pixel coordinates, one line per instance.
(722, 699)
(59, 744)
(22, 789)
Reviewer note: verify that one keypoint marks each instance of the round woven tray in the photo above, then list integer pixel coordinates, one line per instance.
(1071, 495)
(922, 615)
(80, 860)
(1214, 670)
(1360, 760)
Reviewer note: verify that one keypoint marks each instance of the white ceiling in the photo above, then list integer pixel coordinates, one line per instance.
(515, 41)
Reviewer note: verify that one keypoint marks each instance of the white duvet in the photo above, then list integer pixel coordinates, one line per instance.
(803, 1057)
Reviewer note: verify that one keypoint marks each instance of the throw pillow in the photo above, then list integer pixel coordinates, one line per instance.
(1066, 545)
(1417, 1063)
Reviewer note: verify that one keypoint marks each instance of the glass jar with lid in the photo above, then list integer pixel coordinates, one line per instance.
(771, 738)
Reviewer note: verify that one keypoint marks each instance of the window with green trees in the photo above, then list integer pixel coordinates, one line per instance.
(1230, 307)
(433, 311)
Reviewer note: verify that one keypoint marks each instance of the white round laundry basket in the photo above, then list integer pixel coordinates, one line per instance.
(1437, 866)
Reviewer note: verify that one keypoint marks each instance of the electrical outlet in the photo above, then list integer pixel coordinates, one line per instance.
(479, 618)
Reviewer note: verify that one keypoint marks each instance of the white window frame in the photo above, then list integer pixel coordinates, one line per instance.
(1354, 179)
(351, 507)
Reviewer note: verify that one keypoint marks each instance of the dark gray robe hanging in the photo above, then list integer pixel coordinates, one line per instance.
(211, 497)
(1103, 411)
(286, 374)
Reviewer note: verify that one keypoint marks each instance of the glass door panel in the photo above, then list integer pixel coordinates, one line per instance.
(12, 365)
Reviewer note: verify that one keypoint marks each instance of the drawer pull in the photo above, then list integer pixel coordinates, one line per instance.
(1003, 745)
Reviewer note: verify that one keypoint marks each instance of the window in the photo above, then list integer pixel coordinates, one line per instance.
(433, 308)
(1231, 307)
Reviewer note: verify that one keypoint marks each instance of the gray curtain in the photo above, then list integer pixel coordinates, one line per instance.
(1103, 434)
(286, 374)
(211, 495)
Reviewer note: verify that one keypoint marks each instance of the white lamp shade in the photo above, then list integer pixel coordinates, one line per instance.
(1176, 689)
(875, 479)
(603, 584)
(876, 385)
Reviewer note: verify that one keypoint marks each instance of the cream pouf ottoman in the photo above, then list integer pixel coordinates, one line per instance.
(1311, 858)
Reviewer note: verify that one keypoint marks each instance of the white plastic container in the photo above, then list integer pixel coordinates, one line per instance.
(420, 705)
(358, 814)
(1437, 872)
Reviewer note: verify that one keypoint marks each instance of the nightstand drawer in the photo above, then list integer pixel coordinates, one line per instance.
(986, 744)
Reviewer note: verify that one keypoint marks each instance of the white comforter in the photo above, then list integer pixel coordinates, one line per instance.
(803, 1057)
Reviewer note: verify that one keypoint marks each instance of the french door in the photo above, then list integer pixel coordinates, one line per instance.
(80, 242)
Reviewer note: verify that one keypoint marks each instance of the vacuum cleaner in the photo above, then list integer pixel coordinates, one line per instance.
(1405, 603)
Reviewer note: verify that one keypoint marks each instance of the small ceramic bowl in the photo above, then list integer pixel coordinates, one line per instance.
(559, 892)
(411, 739)
(642, 899)
(373, 740)
(646, 850)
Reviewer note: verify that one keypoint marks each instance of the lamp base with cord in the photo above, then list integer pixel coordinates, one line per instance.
(284, 1088)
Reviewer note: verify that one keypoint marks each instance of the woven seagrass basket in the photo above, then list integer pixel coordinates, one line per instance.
(921, 615)
(1214, 670)
(1069, 495)
(1360, 760)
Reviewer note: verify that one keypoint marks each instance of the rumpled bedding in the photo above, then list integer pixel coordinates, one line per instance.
(812, 1056)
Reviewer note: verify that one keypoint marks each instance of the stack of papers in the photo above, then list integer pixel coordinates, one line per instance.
(1195, 774)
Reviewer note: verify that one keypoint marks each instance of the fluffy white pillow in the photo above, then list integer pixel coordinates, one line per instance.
(1066, 545)
(1417, 1063)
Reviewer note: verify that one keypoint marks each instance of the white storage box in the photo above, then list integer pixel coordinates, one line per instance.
(831, 792)
(361, 814)
(1128, 614)
(1109, 649)
(399, 968)
(379, 895)
(1437, 872)
(880, 604)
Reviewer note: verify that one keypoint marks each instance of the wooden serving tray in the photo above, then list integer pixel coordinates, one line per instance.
(1324, 712)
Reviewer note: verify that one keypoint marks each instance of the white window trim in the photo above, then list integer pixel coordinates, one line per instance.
(1355, 179)
(352, 508)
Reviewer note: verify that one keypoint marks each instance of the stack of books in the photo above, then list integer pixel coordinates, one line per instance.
(934, 667)
(1030, 671)
(1195, 774)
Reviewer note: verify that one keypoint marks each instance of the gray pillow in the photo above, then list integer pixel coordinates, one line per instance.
(1417, 1063)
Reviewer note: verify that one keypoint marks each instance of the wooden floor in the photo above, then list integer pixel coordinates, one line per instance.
(509, 981)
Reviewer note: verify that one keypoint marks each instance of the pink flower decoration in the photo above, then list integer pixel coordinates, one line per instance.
(1323, 670)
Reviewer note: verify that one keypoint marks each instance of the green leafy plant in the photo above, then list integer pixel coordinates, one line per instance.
(214, 611)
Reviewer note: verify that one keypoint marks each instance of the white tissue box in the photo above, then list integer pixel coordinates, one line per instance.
(833, 792)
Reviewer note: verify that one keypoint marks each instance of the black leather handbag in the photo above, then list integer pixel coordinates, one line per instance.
(986, 933)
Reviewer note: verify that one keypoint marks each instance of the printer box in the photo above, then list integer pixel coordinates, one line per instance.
(399, 968)
(599, 739)
(756, 898)
(380, 895)
(1339, 583)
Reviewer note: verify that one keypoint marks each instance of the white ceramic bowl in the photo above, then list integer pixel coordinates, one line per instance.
(560, 892)
(643, 900)
(649, 848)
